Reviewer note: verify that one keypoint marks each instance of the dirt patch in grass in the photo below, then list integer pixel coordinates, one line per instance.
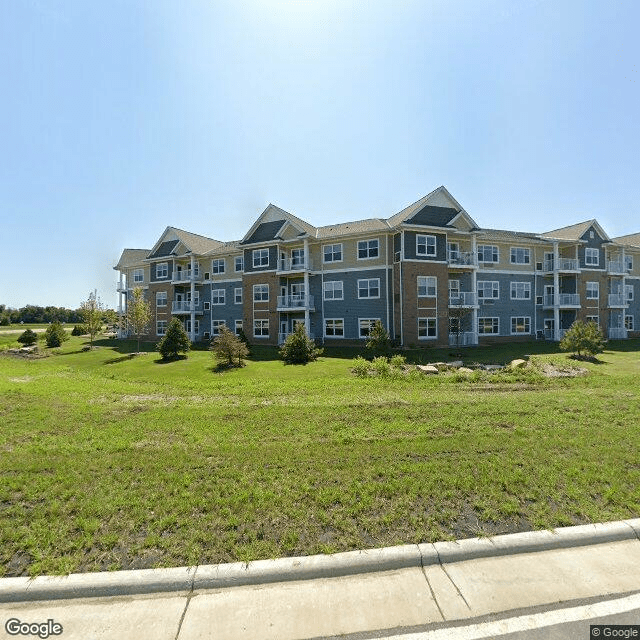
(551, 370)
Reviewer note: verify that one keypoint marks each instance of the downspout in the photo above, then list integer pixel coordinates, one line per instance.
(307, 265)
(192, 334)
(556, 293)
(386, 278)
(401, 289)
(474, 288)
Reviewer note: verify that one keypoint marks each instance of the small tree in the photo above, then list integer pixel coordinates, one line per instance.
(174, 341)
(28, 338)
(378, 342)
(55, 335)
(138, 313)
(583, 338)
(228, 347)
(110, 317)
(92, 310)
(299, 348)
(5, 321)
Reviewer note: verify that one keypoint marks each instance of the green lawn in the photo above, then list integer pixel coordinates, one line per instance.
(113, 462)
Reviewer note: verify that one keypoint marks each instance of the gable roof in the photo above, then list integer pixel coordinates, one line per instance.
(575, 231)
(164, 249)
(225, 247)
(271, 215)
(265, 231)
(346, 228)
(632, 240)
(192, 242)
(131, 257)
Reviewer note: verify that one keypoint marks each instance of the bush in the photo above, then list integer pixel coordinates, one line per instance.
(360, 367)
(299, 348)
(378, 342)
(229, 348)
(5, 321)
(381, 366)
(28, 338)
(174, 341)
(55, 335)
(583, 338)
(397, 361)
(79, 330)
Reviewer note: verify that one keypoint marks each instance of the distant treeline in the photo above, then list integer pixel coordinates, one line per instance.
(32, 313)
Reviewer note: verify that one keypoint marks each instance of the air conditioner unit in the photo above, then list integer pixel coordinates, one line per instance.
(538, 266)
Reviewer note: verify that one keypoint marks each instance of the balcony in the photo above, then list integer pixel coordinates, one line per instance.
(121, 287)
(182, 306)
(618, 300)
(295, 303)
(462, 259)
(185, 276)
(293, 265)
(463, 299)
(616, 268)
(564, 264)
(464, 339)
(562, 300)
(617, 333)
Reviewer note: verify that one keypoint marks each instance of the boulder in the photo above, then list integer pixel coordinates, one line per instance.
(493, 367)
(465, 370)
(456, 364)
(518, 363)
(427, 368)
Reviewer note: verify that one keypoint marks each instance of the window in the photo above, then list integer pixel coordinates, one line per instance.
(261, 328)
(334, 327)
(487, 253)
(215, 327)
(453, 251)
(239, 263)
(488, 290)
(488, 326)
(333, 290)
(520, 291)
(297, 257)
(187, 326)
(427, 328)
(365, 325)
(138, 275)
(454, 288)
(261, 293)
(427, 286)
(238, 327)
(162, 270)
(207, 306)
(368, 249)
(520, 255)
(161, 327)
(369, 288)
(426, 245)
(628, 292)
(593, 290)
(520, 324)
(591, 257)
(217, 265)
(628, 323)
(628, 264)
(261, 258)
(594, 319)
(161, 299)
(237, 295)
(332, 253)
(217, 296)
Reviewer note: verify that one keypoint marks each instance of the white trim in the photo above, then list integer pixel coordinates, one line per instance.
(324, 328)
(511, 289)
(367, 240)
(224, 266)
(216, 292)
(352, 269)
(368, 280)
(427, 286)
(333, 244)
(261, 320)
(332, 282)
(520, 333)
(527, 252)
(371, 322)
(254, 253)
(426, 245)
(166, 269)
(264, 284)
(428, 318)
(494, 333)
(235, 295)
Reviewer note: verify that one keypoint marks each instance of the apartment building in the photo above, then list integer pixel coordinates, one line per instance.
(429, 273)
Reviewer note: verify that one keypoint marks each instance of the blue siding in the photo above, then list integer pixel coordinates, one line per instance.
(248, 260)
(410, 246)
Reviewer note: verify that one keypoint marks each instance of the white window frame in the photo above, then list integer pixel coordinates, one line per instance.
(238, 327)
(218, 294)
(520, 287)
(370, 322)
(262, 324)
(426, 245)
(520, 255)
(430, 326)
(159, 324)
(370, 245)
(628, 292)
(590, 288)
(259, 293)
(595, 319)
(164, 268)
(495, 322)
(629, 323)
(331, 287)
(425, 285)
(332, 253)
(215, 326)
(591, 257)
(493, 249)
(492, 285)
(238, 261)
(218, 265)
(297, 257)
(628, 263)
(237, 295)
(362, 287)
(526, 321)
(206, 306)
(138, 276)
(338, 324)
(161, 295)
(260, 258)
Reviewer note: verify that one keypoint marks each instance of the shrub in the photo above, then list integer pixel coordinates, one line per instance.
(381, 366)
(5, 321)
(299, 348)
(79, 330)
(229, 347)
(583, 338)
(378, 342)
(174, 341)
(55, 335)
(28, 338)
(397, 361)
(360, 367)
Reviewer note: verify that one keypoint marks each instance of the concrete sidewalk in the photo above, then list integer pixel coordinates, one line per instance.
(392, 591)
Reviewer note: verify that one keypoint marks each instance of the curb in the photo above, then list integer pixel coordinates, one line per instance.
(187, 579)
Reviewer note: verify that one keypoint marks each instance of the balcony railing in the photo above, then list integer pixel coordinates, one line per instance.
(464, 339)
(564, 264)
(462, 259)
(617, 300)
(617, 333)
(295, 302)
(617, 267)
(463, 299)
(294, 264)
(182, 306)
(185, 276)
(121, 287)
(562, 300)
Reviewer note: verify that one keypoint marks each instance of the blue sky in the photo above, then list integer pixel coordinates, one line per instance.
(119, 118)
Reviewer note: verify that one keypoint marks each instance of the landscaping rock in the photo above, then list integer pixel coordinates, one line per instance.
(427, 368)
(456, 364)
(493, 367)
(465, 370)
(518, 363)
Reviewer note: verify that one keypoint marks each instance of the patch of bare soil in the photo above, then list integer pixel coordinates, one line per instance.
(562, 371)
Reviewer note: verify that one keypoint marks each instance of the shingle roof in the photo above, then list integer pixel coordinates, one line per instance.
(164, 249)
(265, 231)
(572, 232)
(508, 235)
(633, 239)
(433, 216)
(196, 243)
(225, 247)
(346, 228)
(131, 257)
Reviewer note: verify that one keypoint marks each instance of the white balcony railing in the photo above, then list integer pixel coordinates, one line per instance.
(295, 302)
(617, 300)
(464, 339)
(562, 300)
(616, 267)
(295, 264)
(462, 259)
(564, 264)
(185, 276)
(463, 299)
(617, 333)
(182, 306)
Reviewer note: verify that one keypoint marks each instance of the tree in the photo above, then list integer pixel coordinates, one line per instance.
(299, 348)
(28, 338)
(55, 335)
(110, 317)
(583, 338)
(174, 341)
(92, 310)
(378, 342)
(228, 347)
(456, 315)
(138, 314)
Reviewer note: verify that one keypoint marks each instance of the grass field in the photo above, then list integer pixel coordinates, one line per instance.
(114, 462)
